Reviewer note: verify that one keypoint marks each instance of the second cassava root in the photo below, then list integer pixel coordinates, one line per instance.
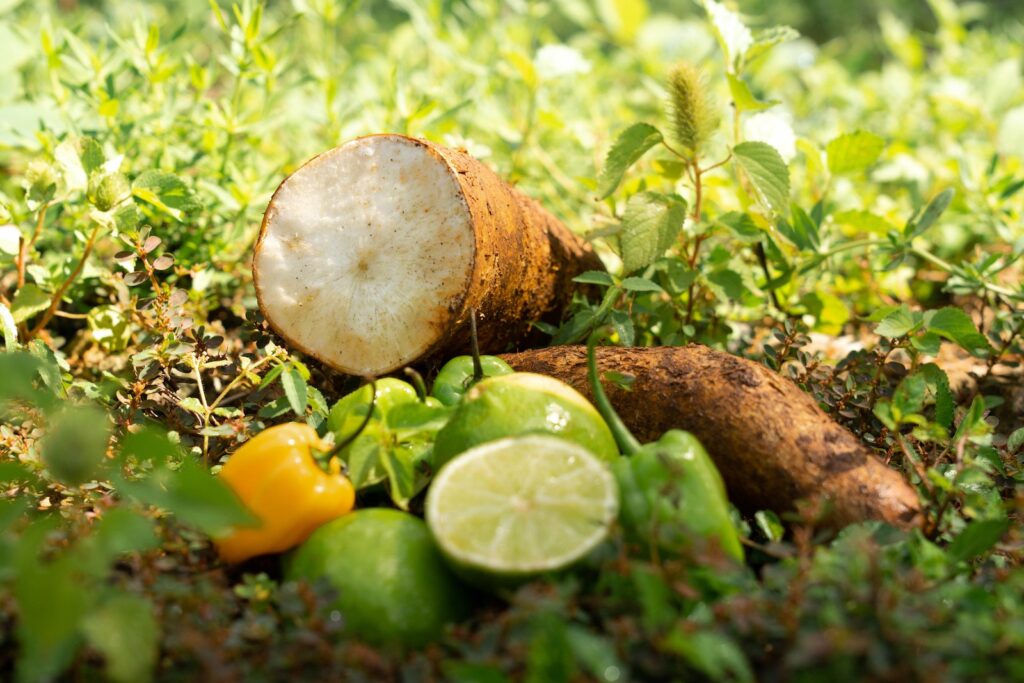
(770, 440)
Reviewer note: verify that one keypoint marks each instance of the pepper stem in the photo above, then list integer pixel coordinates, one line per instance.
(417, 381)
(478, 368)
(344, 443)
(627, 443)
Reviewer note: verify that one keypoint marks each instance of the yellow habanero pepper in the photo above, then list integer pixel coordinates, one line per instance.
(275, 476)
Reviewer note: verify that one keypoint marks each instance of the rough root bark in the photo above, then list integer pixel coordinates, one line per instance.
(770, 440)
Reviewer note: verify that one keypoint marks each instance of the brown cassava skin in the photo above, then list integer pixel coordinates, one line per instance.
(523, 264)
(770, 440)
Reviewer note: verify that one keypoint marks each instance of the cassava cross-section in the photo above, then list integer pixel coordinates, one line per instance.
(372, 254)
(770, 440)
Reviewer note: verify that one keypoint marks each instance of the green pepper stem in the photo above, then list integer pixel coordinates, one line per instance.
(344, 443)
(627, 443)
(478, 368)
(417, 381)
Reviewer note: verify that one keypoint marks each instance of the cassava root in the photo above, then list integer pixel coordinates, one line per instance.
(770, 440)
(371, 256)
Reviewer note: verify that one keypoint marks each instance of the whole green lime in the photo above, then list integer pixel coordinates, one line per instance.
(524, 403)
(393, 586)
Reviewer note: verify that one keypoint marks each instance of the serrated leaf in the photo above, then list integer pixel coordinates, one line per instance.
(295, 389)
(976, 539)
(631, 144)
(900, 322)
(767, 171)
(650, 225)
(852, 152)
(166, 192)
(766, 39)
(955, 325)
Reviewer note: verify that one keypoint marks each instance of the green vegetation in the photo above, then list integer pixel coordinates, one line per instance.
(845, 206)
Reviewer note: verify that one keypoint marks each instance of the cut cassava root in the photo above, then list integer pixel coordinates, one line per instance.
(771, 442)
(372, 254)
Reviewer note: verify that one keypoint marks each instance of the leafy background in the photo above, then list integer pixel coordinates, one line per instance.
(863, 236)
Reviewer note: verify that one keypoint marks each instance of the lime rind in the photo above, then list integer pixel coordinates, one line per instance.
(521, 506)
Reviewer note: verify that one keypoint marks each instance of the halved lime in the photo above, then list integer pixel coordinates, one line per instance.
(517, 507)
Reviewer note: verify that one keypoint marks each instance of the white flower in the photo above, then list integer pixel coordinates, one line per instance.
(774, 129)
(555, 61)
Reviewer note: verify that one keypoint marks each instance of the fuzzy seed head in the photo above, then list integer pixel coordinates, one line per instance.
(693, 109)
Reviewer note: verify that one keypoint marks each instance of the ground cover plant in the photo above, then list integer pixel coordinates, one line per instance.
(833, 194)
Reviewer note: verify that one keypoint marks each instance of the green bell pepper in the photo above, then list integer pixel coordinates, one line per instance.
(666, 486)
(457, 376)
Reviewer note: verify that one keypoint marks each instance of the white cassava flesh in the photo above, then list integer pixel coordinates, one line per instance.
(372, 255)
(366, 253)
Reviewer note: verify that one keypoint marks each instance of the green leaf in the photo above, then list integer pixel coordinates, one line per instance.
(295, 389)
(853, 152)
(193, 495)
(713, 654)
(51, 603)
(801, 230)
(1015, 440)
(91, 153)
(743, 99)
(596, 654)
(770, 525)
(729, 282)
(549, 657)
(124, 629)
(938, 386)
(898, 323)
(594, 277)
(29, 300)
(649, 227)
(931, 213)
(120, 531)
(75, 443)
(742, 226)
(909, 396)
(402, 466)
(766, 39)
(167, 192)
(767, 170)
(632, 144)
(976, 539)
(955, 325)
(9, 328)
(639, 284)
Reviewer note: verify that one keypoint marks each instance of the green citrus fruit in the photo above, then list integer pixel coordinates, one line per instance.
(393, 586)
(524, 403)
(513, 508)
